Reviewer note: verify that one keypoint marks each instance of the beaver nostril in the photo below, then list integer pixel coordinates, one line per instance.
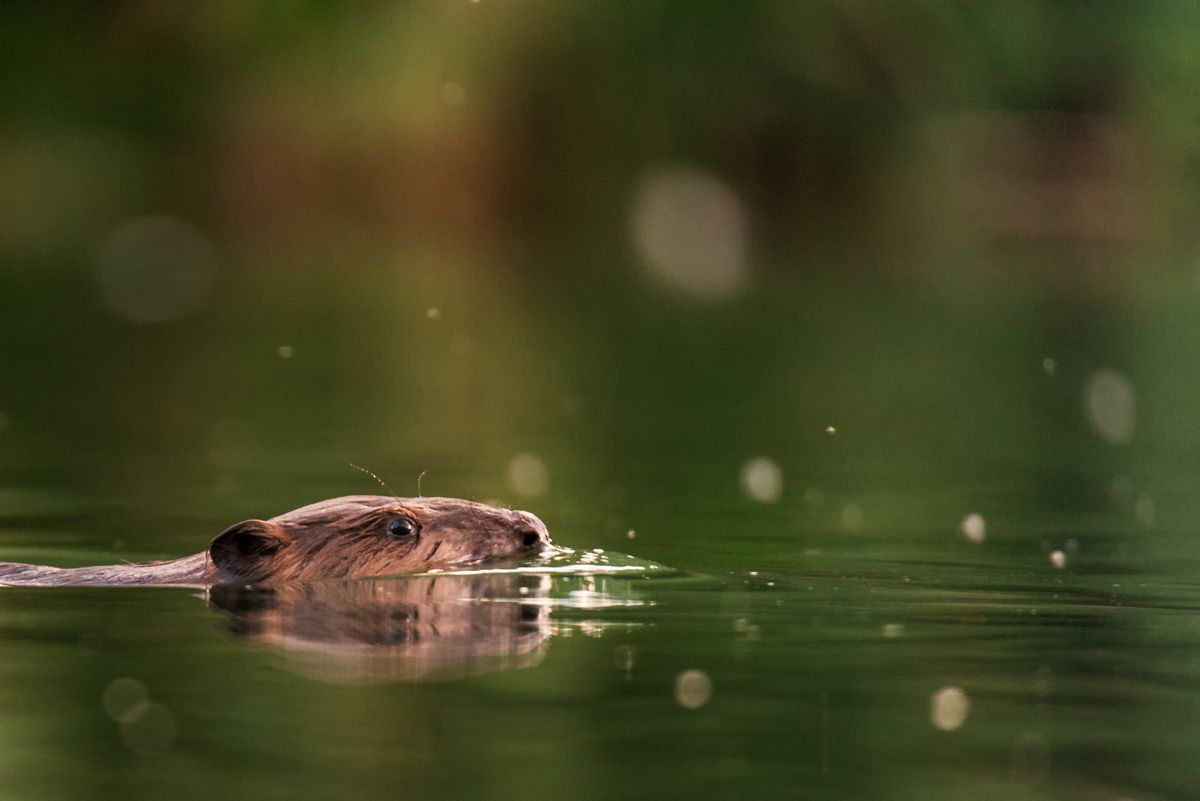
(530, 540)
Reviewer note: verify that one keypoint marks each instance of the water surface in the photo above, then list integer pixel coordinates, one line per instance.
(942, 668)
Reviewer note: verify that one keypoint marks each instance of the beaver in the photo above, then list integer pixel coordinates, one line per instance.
(349, 537)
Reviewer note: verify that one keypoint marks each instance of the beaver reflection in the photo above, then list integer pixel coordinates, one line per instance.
(419, 628)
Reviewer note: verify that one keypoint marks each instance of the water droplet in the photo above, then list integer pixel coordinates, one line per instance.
(631, 534)
(830, 430)
(1058, 559)
(762, 480)
(693, 688)
(948, 708)
(528, 475)
(974, 528)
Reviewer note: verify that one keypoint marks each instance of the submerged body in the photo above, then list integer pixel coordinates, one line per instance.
(350, 537)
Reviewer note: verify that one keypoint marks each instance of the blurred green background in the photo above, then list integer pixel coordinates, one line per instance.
(763, 283)
(597, 233)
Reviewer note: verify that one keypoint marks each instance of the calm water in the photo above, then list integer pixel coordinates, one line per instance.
(850, 662)
(917, 547)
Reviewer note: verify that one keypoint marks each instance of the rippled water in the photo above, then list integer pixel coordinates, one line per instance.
(945, 668)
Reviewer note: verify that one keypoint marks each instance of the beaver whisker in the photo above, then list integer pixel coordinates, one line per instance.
(382, 483)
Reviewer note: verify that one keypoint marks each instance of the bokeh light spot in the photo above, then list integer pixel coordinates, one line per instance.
(689, 229)
(974, 528)
(123, 697)
(528, 476)
(948, 708)
(762, 480)
(852, 517)
(155, 269)
(693, 688)
(1110, 404)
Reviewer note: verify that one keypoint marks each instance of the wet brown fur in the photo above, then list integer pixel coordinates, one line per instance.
(344, 537)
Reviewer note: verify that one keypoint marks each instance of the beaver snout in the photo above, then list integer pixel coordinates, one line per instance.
(531, 532)
(531, 540)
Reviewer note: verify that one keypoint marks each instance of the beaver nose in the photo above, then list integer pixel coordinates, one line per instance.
(531, 532)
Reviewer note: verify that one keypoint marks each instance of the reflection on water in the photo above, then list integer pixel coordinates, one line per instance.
(415, 628)
(974, 668)
(402, 629)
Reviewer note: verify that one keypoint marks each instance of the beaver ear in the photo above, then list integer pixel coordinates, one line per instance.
(241, 548)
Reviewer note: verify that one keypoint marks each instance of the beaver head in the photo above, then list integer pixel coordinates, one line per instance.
(372, 535)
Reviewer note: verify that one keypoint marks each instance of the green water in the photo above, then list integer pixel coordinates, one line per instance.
(787, 657)
(822, 626)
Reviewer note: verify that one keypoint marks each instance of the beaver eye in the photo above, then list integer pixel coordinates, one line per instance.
(402, 527)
